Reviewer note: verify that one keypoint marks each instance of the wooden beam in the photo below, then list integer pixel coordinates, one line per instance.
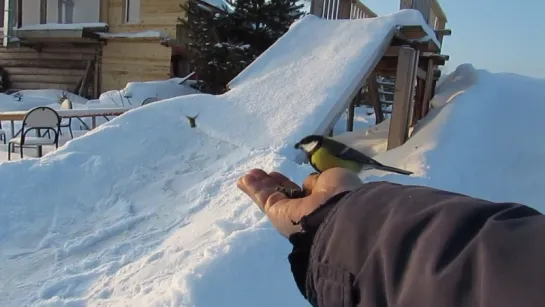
(372, 91)
(438, 11)
(418, 101)
(43, 11)
(428, 89)
(444, 32)
(351, 109)
(402, 106)
(420, 73)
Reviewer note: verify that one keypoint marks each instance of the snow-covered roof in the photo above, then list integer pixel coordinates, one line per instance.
(220, 4)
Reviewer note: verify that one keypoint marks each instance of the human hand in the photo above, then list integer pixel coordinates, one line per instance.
(281, 210)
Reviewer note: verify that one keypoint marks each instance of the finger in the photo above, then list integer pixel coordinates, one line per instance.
(284, 181)
(310, 182)
(273, 199)
(244, 183)
(259, 189)
(258, 173)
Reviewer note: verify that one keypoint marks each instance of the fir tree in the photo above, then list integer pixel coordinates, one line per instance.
(223, 44)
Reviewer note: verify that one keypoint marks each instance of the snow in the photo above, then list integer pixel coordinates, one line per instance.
(308, 90)
(29, 99)
(135, 93)
(142, 34)
(144, 210)
(63, 26)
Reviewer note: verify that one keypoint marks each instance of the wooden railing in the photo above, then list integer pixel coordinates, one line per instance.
(431, 11)
(341, 9)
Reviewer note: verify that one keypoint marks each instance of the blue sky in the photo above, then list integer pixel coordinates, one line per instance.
(496, 35)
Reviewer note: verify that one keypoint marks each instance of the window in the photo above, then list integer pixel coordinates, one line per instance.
(65, 11)
(131, 11)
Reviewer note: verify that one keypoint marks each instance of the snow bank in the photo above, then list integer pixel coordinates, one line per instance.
(27, 99)
(454, 84)
(135, 93)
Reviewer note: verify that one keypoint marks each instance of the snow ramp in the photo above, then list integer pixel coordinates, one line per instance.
(143, 211)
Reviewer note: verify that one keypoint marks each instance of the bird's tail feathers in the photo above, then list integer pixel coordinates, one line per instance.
(393, 169)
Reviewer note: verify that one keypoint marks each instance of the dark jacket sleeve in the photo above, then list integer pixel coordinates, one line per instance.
(392, 245)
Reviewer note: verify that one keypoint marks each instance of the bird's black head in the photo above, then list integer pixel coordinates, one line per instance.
(310, 143)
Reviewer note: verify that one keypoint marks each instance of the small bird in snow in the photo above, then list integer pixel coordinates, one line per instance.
(324, 153)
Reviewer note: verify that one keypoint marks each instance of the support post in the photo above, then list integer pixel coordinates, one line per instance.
(372, 91)
(418, 101)
(351, 109)
(403, 97)
(9, 17)
(43, 11)
(428, 89)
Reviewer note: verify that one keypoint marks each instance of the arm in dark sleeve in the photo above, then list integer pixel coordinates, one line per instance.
(392, 245)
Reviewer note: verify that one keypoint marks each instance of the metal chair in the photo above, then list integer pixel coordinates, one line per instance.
(39, 118)
(149, 100)
(2, 134)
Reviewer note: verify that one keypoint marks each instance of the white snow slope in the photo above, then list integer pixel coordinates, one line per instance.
(144, 211)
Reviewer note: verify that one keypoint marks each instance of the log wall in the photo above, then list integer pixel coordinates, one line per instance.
(55, 67)
(138, 59)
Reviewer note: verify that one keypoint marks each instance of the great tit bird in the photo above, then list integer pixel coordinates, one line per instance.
(324, 153)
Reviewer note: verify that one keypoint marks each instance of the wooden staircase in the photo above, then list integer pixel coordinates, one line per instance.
(406, 75)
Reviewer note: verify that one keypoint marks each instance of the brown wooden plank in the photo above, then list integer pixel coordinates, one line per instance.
(351, 109)
(42, 86)
(13, 71)
(45, 56)
(420, 73)
(418, 101)
(88, 49)
(64, 64)
(404, 86)
(372, 91)
(428, 89)
(45, 79)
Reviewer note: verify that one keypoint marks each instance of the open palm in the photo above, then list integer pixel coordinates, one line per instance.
(283, 211)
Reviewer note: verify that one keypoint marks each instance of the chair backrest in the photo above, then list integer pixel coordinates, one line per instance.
(67, 104)
(42, 117)
(149, 100)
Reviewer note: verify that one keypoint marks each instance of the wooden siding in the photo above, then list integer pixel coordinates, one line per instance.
(53, 68)
(160, 15)
(127, 60)
(138, 59)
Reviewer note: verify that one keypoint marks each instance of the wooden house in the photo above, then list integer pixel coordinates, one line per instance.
(92, 46)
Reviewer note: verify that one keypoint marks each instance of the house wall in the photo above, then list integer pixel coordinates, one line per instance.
(84, 11)
(55, 67)
(126, 60)
(138, 59)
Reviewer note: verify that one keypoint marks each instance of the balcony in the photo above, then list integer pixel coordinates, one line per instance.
(44, 21)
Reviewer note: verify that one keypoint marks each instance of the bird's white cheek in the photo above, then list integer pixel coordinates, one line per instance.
(310, 146)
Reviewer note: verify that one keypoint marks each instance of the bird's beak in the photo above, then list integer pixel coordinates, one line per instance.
(297, 146)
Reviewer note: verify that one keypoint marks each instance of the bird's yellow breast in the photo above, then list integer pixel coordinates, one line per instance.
(323, 160)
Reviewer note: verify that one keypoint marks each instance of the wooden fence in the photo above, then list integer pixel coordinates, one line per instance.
(340, 9)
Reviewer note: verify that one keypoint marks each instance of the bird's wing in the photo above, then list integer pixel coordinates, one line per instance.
(344, 152)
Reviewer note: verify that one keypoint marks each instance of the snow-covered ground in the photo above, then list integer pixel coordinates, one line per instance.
(144, 210)
(132, 96)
